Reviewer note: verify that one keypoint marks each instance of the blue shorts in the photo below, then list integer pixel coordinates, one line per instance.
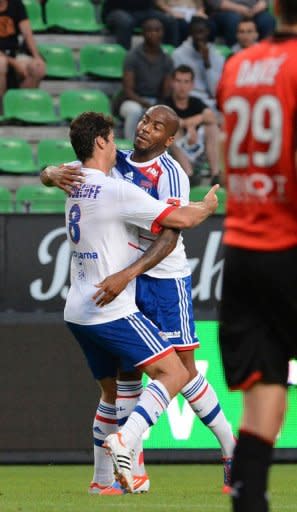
(168, 303)
(133, 341)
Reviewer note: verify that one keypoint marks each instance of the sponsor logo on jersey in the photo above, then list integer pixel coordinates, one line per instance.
(129, 176)
(85, 255)
(171, 334)
(146, 185)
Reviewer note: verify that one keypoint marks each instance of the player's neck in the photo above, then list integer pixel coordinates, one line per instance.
(144, 156)
(100, 164)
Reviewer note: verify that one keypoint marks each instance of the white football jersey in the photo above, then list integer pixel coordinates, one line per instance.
(164, 179)
(101, 219)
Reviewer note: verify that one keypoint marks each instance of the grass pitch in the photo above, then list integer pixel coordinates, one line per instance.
(179, 488)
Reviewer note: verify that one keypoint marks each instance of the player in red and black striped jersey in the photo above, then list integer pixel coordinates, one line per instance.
(258, 97)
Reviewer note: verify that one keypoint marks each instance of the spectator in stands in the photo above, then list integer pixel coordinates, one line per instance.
(147, 76)
(206, 62)
(226, 14)
(198, 131)
(27, 64)
(246, 35)
(183, 11)
(124, 16)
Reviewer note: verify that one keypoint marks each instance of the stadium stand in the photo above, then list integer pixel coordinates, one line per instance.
(16, 156)
(72, 16)
(6, 205)
(34, 11)
(60, 61)
(73, 103)
(32, 106)
(104, 60)
(39, 199)
(54, 152)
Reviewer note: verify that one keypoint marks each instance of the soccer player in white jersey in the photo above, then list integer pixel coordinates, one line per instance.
(101, 218)
(163, 293)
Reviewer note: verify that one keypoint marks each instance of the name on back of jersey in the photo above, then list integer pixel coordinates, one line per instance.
(86, 191)
(260, 72)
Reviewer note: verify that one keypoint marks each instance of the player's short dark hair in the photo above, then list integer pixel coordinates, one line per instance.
(183, 68)
(288, 10)
(85, 128)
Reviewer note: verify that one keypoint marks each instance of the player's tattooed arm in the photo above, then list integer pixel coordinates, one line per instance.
(64, 177)
(113, 285)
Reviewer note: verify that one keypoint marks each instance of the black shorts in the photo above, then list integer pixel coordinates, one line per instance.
(258, 316)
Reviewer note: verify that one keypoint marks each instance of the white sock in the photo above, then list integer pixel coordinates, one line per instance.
(128, 393)
(152, 402)
(105, 422)
(203, 400)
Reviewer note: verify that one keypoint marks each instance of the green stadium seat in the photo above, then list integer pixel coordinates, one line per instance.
(6, 204)
(168, 48)
(104, 60)
(59, 59)
(72, 16)
(34, 12)
(224, 50)
(16, 156)
(124, 143)
(73, 103)
(198, 193)
(54, 152)
(39, 199)
(33, 106)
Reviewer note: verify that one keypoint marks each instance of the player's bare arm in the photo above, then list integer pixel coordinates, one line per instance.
(114, 284)
(64, 177)
(192, 215)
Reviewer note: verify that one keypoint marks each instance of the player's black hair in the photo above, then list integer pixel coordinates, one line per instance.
(183, 68)
(288, 10)
(85, 128)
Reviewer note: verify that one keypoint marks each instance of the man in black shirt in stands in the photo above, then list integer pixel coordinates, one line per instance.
(198, 131)
(122, 17)
(27, 64)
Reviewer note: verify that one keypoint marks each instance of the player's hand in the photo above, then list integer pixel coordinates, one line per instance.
(110, 288)
(65, 177)
(211, 199)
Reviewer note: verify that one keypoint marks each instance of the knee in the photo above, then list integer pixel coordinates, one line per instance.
(120, 19)
(37, 69)
(3, 65)
(130, 108)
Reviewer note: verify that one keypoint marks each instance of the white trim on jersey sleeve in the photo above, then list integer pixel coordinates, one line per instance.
(173, 183)
(139, 208)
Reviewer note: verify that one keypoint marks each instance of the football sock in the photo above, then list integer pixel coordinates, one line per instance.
(203, 400)
(128, 393)
(105, 422)
(249, 474)
(152, 402)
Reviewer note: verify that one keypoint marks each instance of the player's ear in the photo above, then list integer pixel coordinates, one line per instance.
(100, 142)
(169, 141)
